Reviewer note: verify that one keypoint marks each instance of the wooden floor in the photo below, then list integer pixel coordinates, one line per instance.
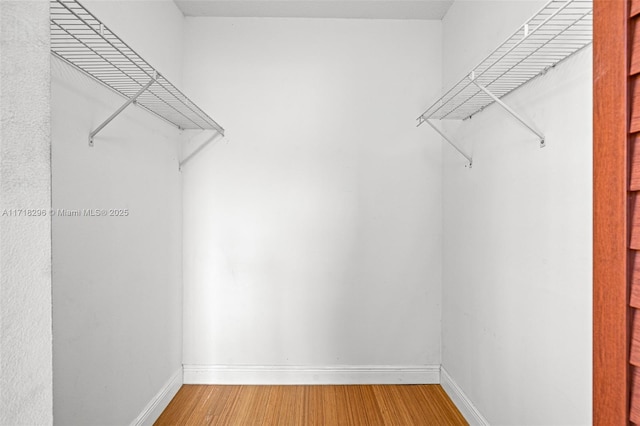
(401, 405)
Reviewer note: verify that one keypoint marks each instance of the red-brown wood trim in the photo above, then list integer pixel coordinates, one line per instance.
(634, 43)
(634, 297)
(634, 154)
(634, 231)
(634, 93)
(610, 232)
(635, 7)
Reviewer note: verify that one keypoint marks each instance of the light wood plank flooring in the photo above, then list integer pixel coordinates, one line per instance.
(401, 405)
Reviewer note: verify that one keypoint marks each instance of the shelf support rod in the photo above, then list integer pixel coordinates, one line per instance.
(508, 109)
(200, 148)
(426, 120)
(122, 108)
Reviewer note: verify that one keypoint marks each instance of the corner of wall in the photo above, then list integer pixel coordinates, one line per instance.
(160, 401)
(461, 400)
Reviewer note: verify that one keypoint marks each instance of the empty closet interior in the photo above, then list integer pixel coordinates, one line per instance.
(242, 195)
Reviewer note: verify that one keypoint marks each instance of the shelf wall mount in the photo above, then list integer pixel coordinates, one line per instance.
(84, 42)
(559, 30)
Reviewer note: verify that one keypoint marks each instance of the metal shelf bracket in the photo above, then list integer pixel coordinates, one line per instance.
(422, 119)
(130, 101)
(196, 151)
(507, 108)
(558, 30)
(82, 41)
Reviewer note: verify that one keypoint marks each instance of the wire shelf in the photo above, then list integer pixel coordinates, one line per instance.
(80, 39)
(557, 31)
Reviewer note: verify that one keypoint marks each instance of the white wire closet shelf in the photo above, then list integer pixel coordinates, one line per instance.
(557, 31)
(81, 40)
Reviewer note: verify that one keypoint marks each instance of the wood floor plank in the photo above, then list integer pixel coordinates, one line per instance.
(313, 406)
(201, 405)
(444, 411)
(226, 411)
(188, 402)
(368, 409)
(250, 405)
(394, 409)
(219, 399)
(330, 399)
(354, 405)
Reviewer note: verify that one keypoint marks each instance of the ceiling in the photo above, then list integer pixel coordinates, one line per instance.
(363, 9)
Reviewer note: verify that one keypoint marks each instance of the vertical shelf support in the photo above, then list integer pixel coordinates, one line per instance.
(122, 108)
(508, 109)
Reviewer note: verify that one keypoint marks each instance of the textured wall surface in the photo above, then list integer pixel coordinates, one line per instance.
(313, 231)
(25, 242)
(517, 235)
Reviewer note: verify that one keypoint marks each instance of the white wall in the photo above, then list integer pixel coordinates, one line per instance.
(25, 242)
(517, 235)
(117, 292)
(312, 233)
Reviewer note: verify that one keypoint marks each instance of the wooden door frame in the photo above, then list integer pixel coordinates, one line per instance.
(610, 219)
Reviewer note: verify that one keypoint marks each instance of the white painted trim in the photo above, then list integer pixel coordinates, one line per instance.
(311, 375)
(461, 400)
(158, 403)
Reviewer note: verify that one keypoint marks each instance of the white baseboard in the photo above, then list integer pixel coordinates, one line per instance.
(158, 403)
(310, 375)
(461, 400)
